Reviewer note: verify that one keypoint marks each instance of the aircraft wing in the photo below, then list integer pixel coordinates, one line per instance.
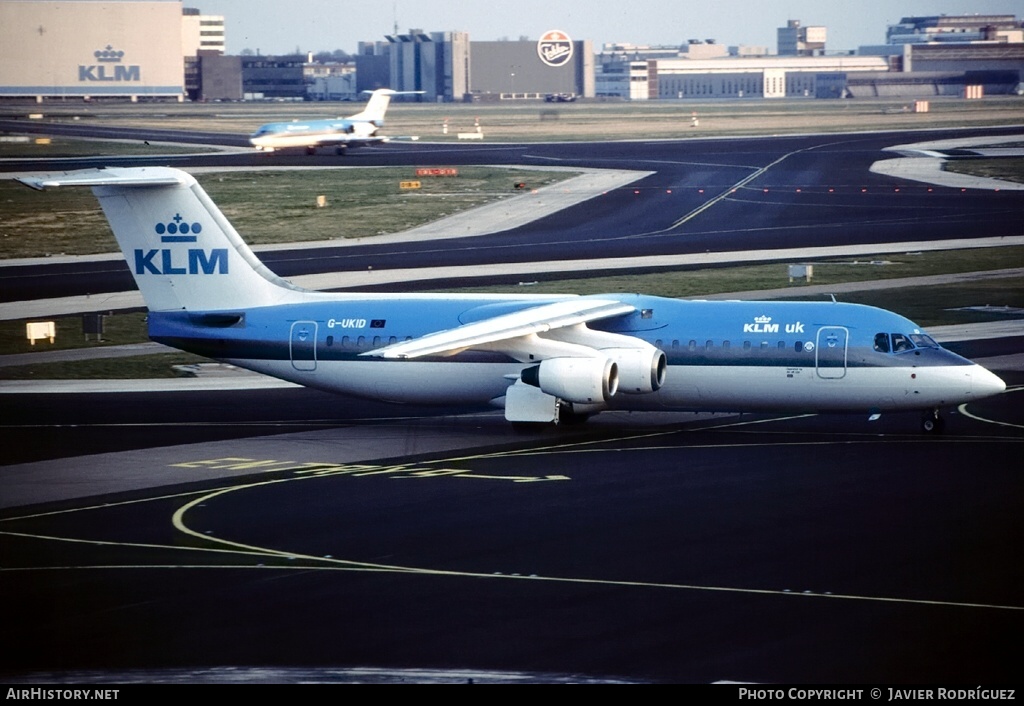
(506, 328)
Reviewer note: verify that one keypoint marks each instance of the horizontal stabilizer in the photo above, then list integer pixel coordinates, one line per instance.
(390, 92)
(138, 176)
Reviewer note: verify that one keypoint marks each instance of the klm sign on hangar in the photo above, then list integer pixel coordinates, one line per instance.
(84, 49)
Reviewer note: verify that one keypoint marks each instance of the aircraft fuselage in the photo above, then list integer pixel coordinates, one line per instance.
(722, 356)
(277, 136)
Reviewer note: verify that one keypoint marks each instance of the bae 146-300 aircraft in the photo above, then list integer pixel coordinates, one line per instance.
(356, 130)
(542, 358)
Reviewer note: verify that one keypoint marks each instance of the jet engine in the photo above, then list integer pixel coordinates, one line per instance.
(641, 370)
(642, 367)
(580, 380)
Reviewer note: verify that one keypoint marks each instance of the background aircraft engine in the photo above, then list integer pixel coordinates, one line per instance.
(581, 380)
(641, 370)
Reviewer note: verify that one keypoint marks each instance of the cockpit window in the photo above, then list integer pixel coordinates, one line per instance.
(900, 343)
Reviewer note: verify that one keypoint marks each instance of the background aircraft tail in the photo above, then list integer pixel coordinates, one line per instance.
(376, 107)
(378, 104)
(182, 251)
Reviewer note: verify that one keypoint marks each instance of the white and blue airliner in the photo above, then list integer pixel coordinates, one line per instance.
(357, 130)
(542, 358)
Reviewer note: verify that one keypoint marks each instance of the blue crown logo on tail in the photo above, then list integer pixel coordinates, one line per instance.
(178, 232)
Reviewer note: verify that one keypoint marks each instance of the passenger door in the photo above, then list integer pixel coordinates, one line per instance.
(830, 353)
(302, 345)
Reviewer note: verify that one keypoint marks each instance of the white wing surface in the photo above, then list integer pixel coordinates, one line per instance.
(506, 328)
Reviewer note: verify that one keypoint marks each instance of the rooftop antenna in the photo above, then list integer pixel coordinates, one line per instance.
(394, 14)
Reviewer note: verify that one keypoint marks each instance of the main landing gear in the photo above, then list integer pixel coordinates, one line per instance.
(932, 422)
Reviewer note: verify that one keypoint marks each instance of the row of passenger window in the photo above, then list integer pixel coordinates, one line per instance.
(692, 346)
(361, 342)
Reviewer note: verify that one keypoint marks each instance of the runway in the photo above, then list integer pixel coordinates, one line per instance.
(174, 533)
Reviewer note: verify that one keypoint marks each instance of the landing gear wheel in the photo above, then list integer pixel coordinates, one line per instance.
(932, 423)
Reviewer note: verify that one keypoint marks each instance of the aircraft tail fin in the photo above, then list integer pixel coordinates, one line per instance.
(182, 251)
(378, 104)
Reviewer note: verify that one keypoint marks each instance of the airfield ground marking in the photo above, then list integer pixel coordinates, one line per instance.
(331, 564)
(110, 543)
(576, 446)
(963, 410)
(178, 521)
(103, 506)
(730, 190)
(532, 451)
(779, 444)
(743, 182)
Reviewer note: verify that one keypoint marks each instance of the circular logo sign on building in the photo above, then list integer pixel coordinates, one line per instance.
(554, 48)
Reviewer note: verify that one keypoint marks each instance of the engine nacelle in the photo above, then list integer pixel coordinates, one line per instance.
(580, 380)
(641, 370)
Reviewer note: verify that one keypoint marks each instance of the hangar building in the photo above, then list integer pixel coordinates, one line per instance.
(91, 49)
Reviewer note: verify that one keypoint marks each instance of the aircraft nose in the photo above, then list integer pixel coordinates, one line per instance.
(986, 384)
